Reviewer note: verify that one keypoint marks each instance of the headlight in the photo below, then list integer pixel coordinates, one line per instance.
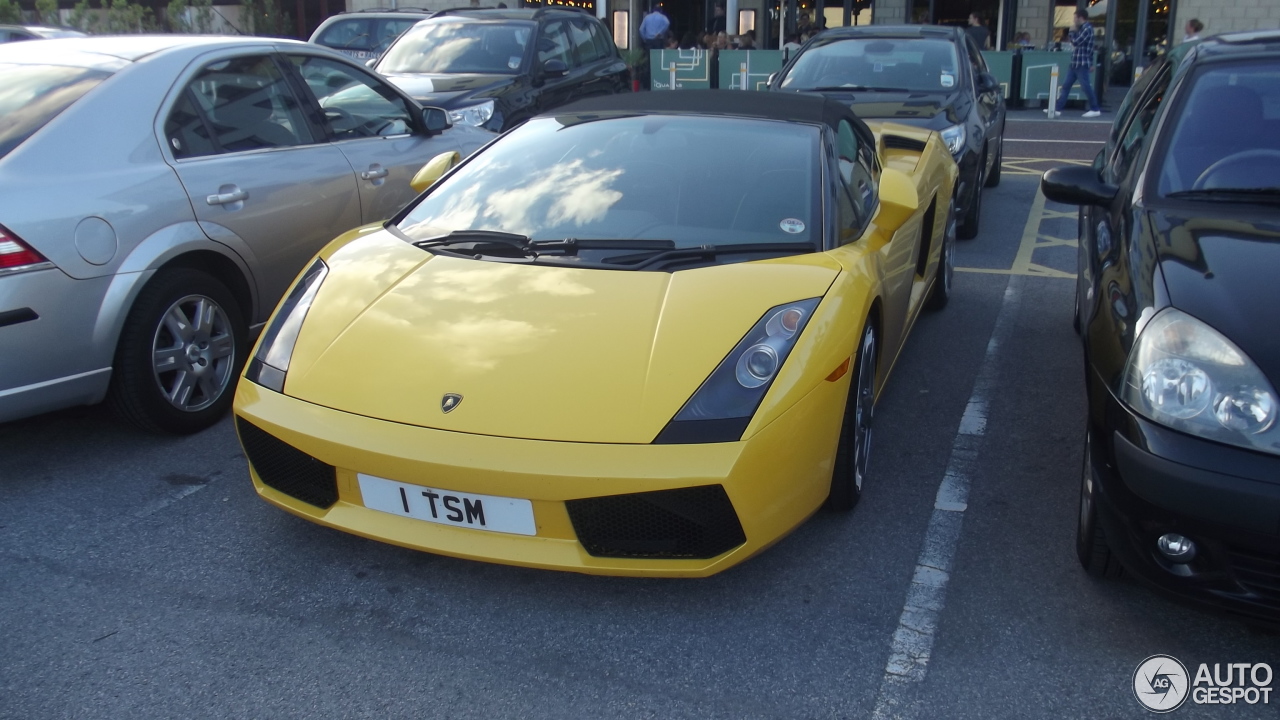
(954, 138)
(1186, 375)
(271, 362)
(722, 407)
(476, 115)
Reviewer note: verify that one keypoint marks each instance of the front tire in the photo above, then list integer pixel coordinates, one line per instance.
(994, 178)
(854, 447)
(969, 223)
(183, 345)
(941, 292)
(1092, 548)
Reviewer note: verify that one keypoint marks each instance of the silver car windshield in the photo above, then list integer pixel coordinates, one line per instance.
(32, 95)
(691, 180)
(911, 64)
(459, 47)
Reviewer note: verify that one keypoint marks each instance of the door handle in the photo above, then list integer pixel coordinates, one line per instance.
(373, 173)
(227, 198)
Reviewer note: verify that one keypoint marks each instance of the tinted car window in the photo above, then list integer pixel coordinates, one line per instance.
(553, 44)
(446, 46)
(856, 174)
(368, 34)
(604, 44)
(1227, 134)
(187, 131)
(1130, 145)
(35, 94)
(354, 104)
(636, 178)
(899, 63)
(584, 45)
(249, 105)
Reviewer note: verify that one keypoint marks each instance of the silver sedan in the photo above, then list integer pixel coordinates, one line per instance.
(159, 194)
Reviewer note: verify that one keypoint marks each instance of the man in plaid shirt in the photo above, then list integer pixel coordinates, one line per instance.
(1082, 52)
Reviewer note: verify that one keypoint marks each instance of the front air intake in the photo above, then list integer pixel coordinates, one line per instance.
(282, 467)
(694, 523)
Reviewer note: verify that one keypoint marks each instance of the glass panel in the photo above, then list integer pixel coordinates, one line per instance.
(554, 45)
(249, 105)
(896, 64)
(188, 136)
(35, 94)
(460, 47)
(355, 105)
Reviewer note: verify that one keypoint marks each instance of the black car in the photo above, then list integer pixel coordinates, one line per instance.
(1178, 304)
(497, 68)
(16, 33)
(929, 76)
(366, 34)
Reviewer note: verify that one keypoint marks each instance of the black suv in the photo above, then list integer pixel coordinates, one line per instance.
(497, 68)
(931, 77)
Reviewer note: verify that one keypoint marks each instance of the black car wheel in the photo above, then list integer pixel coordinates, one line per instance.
(969, 222)
(1091, 543)
(182, 347)
(855, 432)
(994, 178)
(941, 292)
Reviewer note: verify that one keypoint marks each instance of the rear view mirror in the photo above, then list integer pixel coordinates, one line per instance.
(898, 197)
(435, 169)
(435, 120)
(1077, 185)
(371, 62)
(987, 83)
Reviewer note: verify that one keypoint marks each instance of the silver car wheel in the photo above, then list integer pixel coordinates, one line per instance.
(193, 353)
(862, 414)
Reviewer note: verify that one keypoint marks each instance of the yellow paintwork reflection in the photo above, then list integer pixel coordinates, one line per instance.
(568, 374)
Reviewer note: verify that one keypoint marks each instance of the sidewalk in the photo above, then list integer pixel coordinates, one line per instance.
(1110, 103)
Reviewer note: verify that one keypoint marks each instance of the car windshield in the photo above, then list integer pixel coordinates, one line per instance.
(32, 95)
(688, 180)
(910, 64)
(1227, 135)
(458, 46)
(365, 34)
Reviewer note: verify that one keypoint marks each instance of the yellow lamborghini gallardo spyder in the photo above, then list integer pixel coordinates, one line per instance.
(639, 335)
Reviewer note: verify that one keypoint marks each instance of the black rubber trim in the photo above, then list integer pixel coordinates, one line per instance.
(1227, 499)
(692, 432)
(21, 315)
(898, 142)
(691, 523)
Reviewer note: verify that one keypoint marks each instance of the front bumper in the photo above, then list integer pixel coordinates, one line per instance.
(1153, 480)
(774, 480)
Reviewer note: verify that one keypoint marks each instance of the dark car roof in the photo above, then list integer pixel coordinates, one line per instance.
(510, 14)
(788, 107)
(893, 31)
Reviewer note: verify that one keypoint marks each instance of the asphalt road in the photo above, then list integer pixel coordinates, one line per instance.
(140, 576)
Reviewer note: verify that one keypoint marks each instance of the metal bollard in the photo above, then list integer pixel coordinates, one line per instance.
(1053, 92)
(672, 69)
(742, 68)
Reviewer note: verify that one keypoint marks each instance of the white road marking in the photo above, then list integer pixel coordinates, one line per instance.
(1055, 142)
(912, 643)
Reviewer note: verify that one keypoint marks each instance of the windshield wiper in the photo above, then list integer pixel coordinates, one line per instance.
(854, 88)
(1269, 194)
(639, 261)
(460, 237)
(532, 248)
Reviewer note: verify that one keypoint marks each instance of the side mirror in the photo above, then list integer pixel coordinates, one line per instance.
(987, 83)
(1076, 185)
(434, 170)
(371, 62)
(898, 197)
(554, 68)
(435, 120)
(772, 77)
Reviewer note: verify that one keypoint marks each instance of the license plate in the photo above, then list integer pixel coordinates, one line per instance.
(448, 507)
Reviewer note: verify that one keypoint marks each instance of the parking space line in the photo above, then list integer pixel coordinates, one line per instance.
(912, 643)
(1032, 240)
(1019, 165)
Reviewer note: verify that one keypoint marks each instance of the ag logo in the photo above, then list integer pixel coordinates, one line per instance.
(1160, 683)
(451, 401)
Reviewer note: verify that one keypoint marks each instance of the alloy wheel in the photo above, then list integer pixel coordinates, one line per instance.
(193, 353)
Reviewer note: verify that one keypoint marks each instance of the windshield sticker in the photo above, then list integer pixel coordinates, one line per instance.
(514, 62)
(878, 67)
(792, 226)
(948, 80)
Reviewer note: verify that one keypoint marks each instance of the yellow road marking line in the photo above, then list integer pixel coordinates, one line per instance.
(1032, 239)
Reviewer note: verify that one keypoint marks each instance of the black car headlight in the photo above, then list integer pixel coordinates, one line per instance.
(722, 407)
(271, 362)
(1188, 376)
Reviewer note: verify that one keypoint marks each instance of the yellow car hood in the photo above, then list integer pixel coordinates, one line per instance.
(537, 352)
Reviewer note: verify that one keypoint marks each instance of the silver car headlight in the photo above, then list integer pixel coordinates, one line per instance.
(271, 362)
(1188, 376)
(476, 115)
(954, 137)
(723, 406)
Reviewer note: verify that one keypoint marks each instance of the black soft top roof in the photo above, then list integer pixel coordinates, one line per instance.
(786, 106)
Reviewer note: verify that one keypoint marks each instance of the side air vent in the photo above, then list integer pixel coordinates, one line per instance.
(898, 142)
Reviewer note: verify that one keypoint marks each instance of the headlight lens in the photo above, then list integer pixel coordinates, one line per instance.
(1184, 374)
(954, 137)
(476, 115)
(722, 407)
(271, 362)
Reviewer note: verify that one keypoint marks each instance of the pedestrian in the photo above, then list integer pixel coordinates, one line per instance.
(1082, 52)
(978, 32)
(653, 28)
(718, 22)
(671, 42)
(1194, 26)
(747, 41)
(804, 25)
(790, 47)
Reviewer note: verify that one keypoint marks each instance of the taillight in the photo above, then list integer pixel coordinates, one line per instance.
(14, 253)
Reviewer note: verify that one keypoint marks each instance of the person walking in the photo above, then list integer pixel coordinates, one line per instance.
(978, 32)
(1082, 52)
(653, 29)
